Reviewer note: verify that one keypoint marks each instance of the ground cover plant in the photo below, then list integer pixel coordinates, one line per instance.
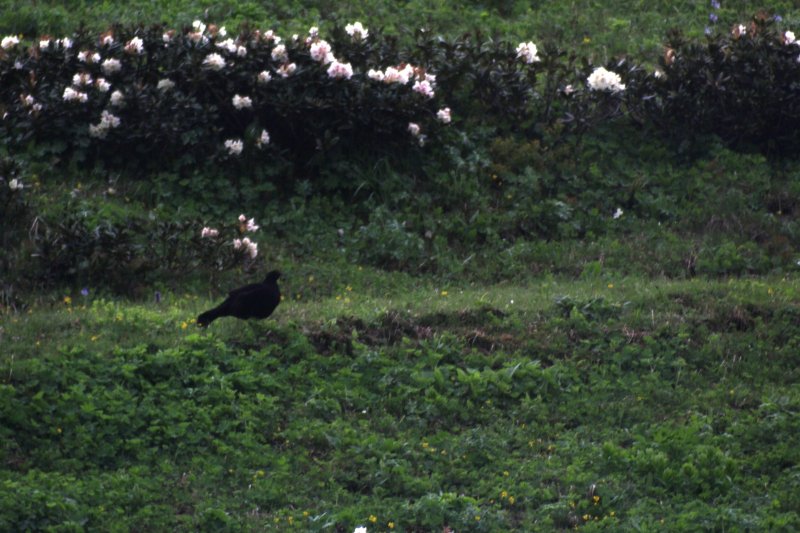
(540, 266)
(604, 406)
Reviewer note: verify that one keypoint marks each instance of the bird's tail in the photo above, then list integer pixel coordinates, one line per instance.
(208, 317)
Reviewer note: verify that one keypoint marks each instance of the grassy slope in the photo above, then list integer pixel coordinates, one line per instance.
(421, 407)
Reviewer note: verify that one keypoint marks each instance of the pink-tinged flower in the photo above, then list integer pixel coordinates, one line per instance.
(394, 75)
(339, 70)
(81, 79)
(242, 102)
(413, 129)
(376, 75)
(357, 31)
(167, 36)
(739, 30)
(424, 88)
(234, 146)
(241, 51)
(242, 218)
(107, 39)
(287, 69)
(569, 89)
(44, 43)
(214, 62)
(65, 43)
(237, 244)
(102, 85)
(165, 85)
(250, 247)
(279, 53)
(9, 42)
(321, 52)
(263, 139)
(27, 100)
(528, 52)
(16, 185)
(270, 36)
(117, 99)
(198, 26)
(264, 77)
(251, 225)
(443, 115)
(789, 37)
(209, 233)
(71, 95)
(313, 32)
(107, 122)
(135, 46)
(111, 66)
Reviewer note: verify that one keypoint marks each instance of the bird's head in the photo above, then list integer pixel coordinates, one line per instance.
(272, 277)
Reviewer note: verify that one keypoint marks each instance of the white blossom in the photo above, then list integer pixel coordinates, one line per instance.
(250, 247)
(165, 84)
(443, 115)
(81, 79)
(9, 42)
(424, 88)
(313, 32)
(360, 529)
(287, 69)
(228, 44)
(107, 122)
(279, 53)
(242, 102)
(135, 46)
(376, 75)
(241, 51)
(618, 213)
(44, 43)
(110, 66)
(102, 85)
(234, 146)
(789, 37)
(166, 37)
(209, 233)
(264, 77)
(321, 51)
(605, 80)
(28, 100)
(569, 89)
(198, 26)
(394, 75)
(413, 129)
(16, 185)
(251, 225)
(222, 32)
(339, 70)
(71, 95)
(117, 99)
(107, 40)
(357, 31)
(528, 52)
(214, 61)
(263, 139)
(65, 43)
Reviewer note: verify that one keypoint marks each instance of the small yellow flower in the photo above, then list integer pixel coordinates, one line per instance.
(612, 514)
(596, 499)
(349, 288)
(586, 517)
(95, 337)
(505, 473)
(390, 525)
(373, 518)
(586, 40)
(444, 293)
(260, 473)
(184, 325)
(311, 279)
(511, 500)
(58, 430)
(290, 519)
(478, 517)
(305, 513)
(610, 285)
(504, 494)
(424, 444)
(67, 300)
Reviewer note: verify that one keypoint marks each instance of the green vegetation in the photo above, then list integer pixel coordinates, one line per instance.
(603, 405)
(566, 309)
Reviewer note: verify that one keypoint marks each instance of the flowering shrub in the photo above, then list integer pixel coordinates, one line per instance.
(738, 84)
(159, 98)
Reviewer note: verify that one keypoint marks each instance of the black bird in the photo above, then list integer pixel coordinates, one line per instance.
(257, 300)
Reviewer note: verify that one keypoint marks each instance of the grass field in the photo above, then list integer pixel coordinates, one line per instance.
(624, 404)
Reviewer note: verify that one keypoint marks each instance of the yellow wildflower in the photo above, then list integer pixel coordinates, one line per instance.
(390, 525)
(511, 500)
(67, 300)
(373, 518)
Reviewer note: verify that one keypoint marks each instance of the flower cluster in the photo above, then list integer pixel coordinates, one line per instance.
(234, 146)
(248, 246)
(357, 31)
(528, 52)
(107, 122)
(605, 80)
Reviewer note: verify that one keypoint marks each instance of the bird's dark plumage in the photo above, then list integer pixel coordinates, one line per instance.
(257, 300)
